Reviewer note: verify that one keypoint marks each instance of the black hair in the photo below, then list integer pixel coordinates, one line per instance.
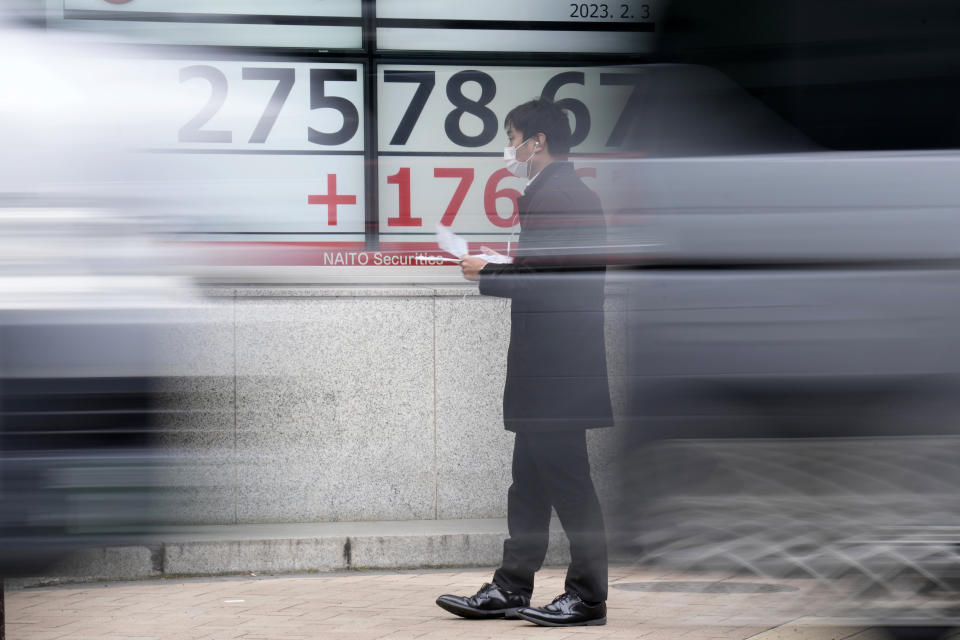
(542, 116)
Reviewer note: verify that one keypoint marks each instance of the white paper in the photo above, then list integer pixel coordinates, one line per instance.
(451, 242)
(498, 258)
(455, 245)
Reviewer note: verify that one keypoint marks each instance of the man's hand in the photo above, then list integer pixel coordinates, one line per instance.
(471, 266)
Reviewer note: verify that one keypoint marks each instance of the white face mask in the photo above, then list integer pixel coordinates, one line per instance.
(514, 166)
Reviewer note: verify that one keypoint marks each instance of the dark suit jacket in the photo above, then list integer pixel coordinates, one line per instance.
(556, 366)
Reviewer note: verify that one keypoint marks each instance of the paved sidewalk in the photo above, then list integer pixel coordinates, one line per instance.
(643, 603)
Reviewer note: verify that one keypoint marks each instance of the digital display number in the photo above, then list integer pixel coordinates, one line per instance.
(499, 200)
(266, 106)
(474, 196)
(492, 192)
(193, 130)
(476, 101)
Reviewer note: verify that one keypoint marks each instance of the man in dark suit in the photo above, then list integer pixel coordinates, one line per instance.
(556, 385)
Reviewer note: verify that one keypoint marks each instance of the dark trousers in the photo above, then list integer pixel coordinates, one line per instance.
(552, 470)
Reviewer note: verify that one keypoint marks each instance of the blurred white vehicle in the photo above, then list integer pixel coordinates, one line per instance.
(86, 291)
(789, 242)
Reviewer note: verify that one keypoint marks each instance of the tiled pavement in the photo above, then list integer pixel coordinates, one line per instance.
(644, 603)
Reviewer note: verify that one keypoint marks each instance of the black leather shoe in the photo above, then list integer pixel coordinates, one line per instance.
(490, 602)
(566, 610)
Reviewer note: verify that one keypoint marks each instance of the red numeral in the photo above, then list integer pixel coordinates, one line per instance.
(491, 195)
(402, 179)
(466, 179)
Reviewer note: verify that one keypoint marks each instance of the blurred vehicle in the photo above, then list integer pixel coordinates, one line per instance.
(790, 295)
(85, 296)
(79, 374)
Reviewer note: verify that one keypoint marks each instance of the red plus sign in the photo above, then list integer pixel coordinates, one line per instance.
(332, 199)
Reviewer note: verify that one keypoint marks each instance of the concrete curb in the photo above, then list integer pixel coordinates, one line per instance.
(295, 548)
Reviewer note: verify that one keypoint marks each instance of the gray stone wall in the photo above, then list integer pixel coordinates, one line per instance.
(324, 404)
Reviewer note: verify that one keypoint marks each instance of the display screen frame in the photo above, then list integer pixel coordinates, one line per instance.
(370, 58)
